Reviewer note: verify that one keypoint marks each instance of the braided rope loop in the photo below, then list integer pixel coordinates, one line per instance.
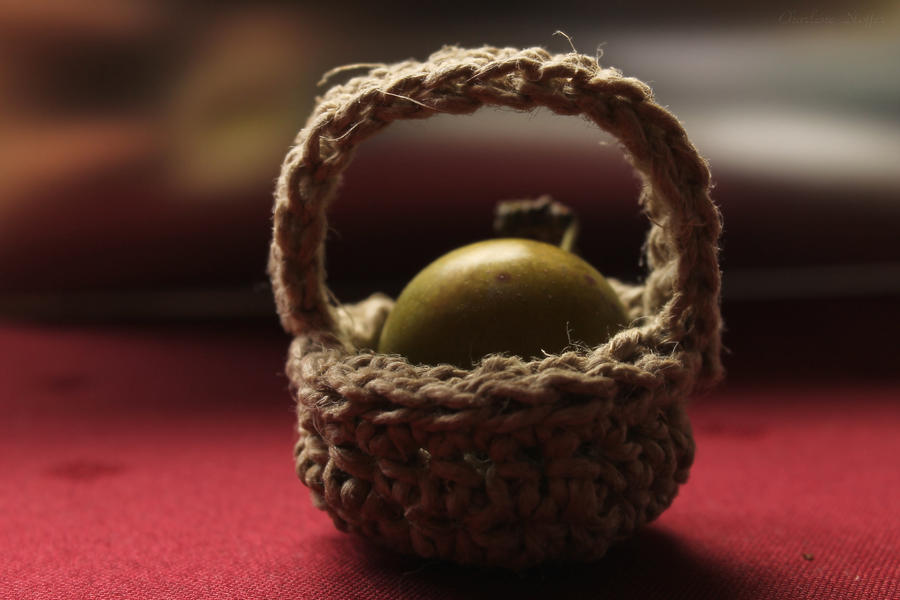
(682, 287)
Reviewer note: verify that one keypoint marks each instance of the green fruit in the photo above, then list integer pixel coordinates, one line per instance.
(509, 295)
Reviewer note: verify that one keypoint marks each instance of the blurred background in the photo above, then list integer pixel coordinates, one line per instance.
(140, 141)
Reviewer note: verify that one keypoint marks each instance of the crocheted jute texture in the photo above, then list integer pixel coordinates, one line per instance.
(514, 462)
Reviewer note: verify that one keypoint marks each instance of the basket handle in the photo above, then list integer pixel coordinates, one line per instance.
(682, 288)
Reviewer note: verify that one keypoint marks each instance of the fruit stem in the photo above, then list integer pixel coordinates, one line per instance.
(543, 219)
(570, 236)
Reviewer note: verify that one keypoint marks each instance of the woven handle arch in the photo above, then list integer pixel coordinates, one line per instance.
(681, 292)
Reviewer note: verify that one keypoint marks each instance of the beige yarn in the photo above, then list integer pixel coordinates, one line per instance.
(513, 462)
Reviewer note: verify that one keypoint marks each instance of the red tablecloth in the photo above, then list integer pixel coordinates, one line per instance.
(139, 463)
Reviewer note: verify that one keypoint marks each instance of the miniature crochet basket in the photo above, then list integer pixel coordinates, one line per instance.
(514, 462)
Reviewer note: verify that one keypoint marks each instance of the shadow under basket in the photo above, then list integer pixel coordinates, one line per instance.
(513, 462)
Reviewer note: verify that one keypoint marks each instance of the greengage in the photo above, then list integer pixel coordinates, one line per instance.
(511, 295)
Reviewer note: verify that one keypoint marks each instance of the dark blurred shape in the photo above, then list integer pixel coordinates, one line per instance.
(140, 141)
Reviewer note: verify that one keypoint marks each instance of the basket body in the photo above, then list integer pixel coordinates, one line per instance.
(512, 463)
(498, 482)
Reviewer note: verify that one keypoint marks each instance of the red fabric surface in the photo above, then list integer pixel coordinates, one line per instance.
(157, 464)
